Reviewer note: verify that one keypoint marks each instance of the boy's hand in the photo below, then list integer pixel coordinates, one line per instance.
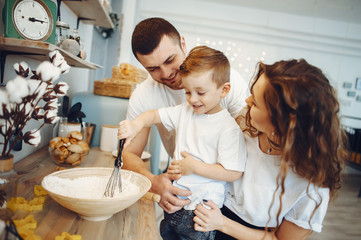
(174, 170)
(184, 166)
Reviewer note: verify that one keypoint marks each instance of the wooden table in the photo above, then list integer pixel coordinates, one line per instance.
(136, 222)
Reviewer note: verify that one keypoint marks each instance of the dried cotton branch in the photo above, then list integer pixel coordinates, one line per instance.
(35, 98)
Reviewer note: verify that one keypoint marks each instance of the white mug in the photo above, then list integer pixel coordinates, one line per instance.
(109, 138)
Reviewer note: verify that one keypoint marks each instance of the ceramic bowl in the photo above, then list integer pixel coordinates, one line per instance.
(98, 209)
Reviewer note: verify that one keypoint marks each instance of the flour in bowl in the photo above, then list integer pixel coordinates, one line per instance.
(90, 187)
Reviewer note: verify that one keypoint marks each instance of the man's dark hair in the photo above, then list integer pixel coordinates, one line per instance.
(148, 34)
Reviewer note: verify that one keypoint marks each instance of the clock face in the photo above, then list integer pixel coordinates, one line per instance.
(32, 19)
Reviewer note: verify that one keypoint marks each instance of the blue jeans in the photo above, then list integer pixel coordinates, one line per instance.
(180, 226)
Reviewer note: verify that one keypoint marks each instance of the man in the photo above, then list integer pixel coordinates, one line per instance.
(161, 50)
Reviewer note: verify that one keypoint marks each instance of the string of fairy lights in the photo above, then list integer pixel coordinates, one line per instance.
(243, 60)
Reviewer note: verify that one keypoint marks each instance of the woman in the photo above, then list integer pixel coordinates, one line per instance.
(295, 150)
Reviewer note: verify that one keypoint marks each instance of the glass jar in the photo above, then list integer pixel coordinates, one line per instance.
(63, 129)
(62, 32)
(7, 181)
(75, 35)
(8, 187)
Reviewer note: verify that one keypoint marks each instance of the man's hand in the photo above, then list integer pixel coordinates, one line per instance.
(162, 185)
(128, 130)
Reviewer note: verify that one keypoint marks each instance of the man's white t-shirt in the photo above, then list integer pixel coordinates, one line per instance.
(251, 196)
(150, 95)
(210, 138)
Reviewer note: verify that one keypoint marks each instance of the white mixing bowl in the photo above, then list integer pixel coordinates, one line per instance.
(98, 209)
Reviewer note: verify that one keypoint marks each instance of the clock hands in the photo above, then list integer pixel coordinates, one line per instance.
(32, 19)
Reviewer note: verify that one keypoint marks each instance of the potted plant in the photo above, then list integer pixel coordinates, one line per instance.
(32, 95)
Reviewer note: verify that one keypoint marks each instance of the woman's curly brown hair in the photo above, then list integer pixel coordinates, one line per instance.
(303, 108)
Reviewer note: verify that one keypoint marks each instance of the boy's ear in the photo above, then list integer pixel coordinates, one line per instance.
(225, 89)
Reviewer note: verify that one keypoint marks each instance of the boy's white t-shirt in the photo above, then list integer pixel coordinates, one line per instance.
(211, 138)
(150, 95)
(251, 196)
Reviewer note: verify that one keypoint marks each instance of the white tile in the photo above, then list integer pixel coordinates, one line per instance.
(295, 53)
(330, 28)
(354, 31)
(290, 22)
(329, 64)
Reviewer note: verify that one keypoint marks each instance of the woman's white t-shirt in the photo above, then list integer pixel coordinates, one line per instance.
(251, 196)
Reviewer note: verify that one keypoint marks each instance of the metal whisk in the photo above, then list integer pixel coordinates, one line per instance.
(115, 180)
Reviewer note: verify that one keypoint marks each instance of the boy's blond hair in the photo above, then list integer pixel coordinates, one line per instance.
(202, 59)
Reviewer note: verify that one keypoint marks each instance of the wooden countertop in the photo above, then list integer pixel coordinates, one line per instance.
(136, 222)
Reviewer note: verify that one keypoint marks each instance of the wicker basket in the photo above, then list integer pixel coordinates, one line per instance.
(137, 75)
(123, 81)
(120, 89)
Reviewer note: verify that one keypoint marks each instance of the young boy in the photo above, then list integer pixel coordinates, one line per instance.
(205, 131)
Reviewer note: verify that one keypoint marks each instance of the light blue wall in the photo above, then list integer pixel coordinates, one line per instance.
(79, 79)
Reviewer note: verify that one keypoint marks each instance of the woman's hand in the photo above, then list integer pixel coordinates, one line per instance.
(208, 219)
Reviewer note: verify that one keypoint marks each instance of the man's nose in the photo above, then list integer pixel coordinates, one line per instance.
(166, 72)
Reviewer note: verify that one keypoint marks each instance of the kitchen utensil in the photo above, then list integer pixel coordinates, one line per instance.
(151, 196)
(115, 180)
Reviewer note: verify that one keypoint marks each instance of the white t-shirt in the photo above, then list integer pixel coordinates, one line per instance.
(150, 95)
(210, 138)
(250, 197)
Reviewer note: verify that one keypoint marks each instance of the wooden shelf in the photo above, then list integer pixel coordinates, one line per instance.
(40, 51)
(92, 10)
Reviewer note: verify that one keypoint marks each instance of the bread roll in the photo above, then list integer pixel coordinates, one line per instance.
(76, 134)
(73, 158)
(83, 145)
(75, 148)
(54, 141)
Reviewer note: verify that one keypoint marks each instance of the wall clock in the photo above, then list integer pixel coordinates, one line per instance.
(30, 19)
